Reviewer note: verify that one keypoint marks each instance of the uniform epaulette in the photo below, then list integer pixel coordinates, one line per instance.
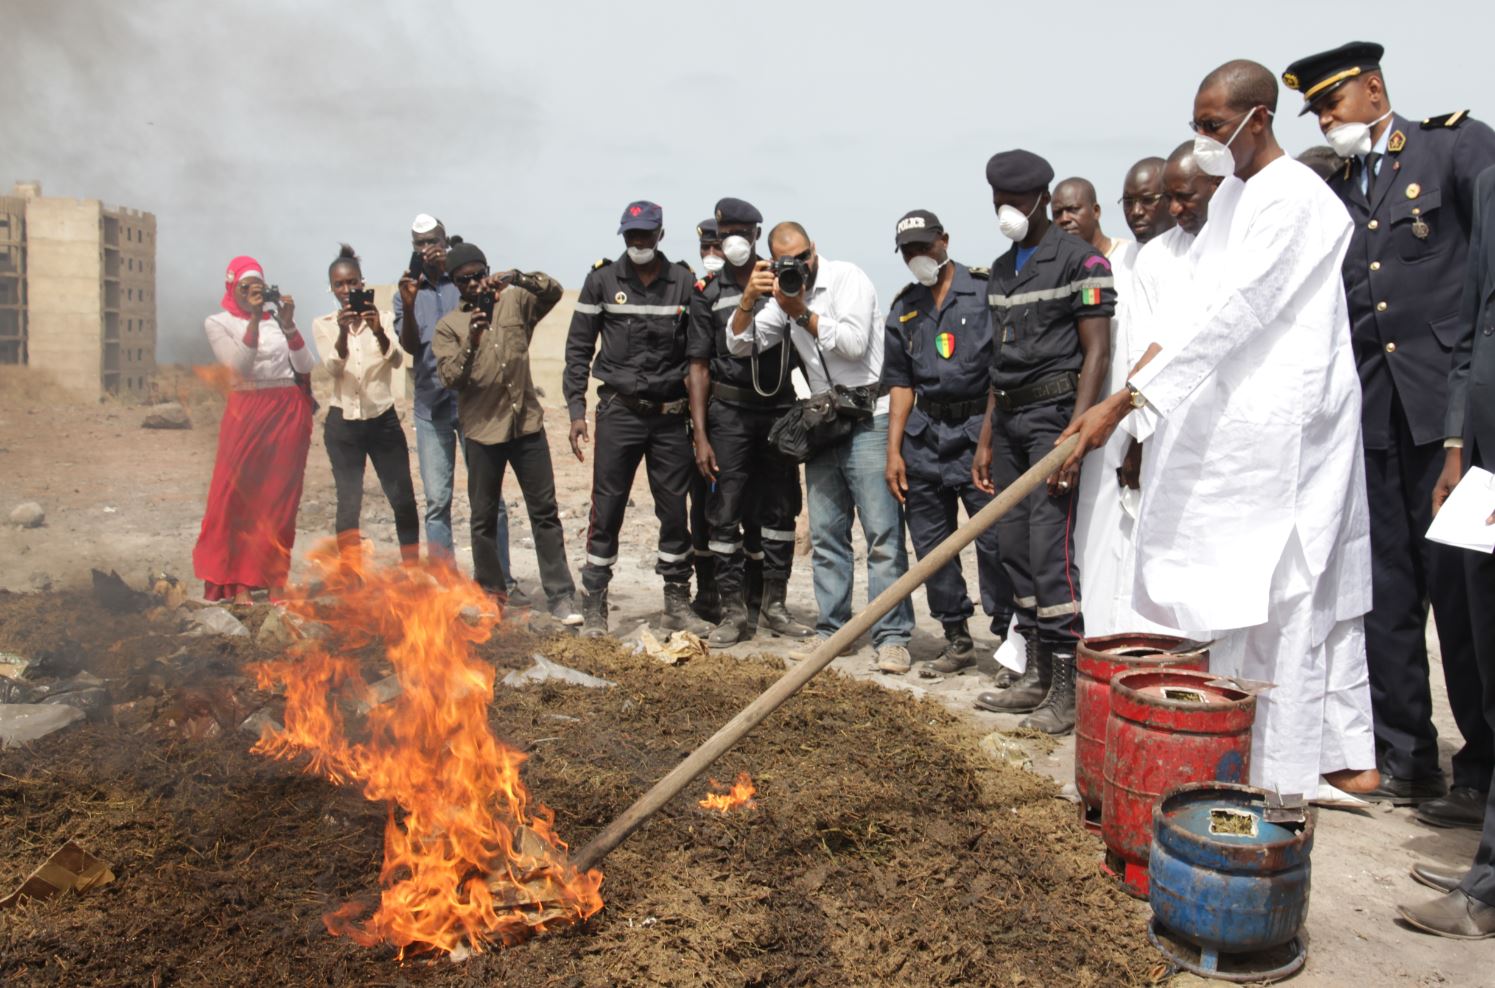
(982, 273)
(904, 290)
(1446, 120)
(705, 280)
(687, 267)
(602, 263)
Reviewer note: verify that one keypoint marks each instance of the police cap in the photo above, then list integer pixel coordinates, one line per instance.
(706, 232)
(1018, 171)
(918, 226)
(641, 215)
(737, 211)
(1316, 75)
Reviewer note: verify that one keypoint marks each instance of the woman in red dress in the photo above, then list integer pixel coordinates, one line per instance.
(250, 522)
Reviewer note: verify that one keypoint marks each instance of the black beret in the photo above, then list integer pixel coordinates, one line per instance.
(737, 211)
(462, 254)
(1316, 75)
(1018, 171)
(706, 232)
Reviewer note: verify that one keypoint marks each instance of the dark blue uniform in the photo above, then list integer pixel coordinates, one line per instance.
(1403, 277)
(943, 354)
(1036, 359)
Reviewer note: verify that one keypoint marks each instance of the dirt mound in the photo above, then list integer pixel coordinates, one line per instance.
(884, 848)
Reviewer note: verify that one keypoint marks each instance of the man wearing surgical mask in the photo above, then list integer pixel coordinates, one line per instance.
(937, 372)
(1052, 296)
(1408, 188)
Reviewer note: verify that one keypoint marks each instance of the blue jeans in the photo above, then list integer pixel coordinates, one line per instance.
(436, 442)
(844, 479)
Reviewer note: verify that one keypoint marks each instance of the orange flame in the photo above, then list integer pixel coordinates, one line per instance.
(467, 857)
(726, 799)
(215, 376)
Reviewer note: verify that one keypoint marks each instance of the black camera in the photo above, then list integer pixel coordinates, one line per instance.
(272, 294)
(792, 274)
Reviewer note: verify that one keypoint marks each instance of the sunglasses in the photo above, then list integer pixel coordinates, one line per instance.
(466, 279)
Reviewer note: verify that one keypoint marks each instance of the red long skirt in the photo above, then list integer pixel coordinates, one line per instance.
(249, 526)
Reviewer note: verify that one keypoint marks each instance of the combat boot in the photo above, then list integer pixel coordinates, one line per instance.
(775, 616)
(1056, 715)
(960, 650)
(752, 576)
(733, 627)
(708, 602)
(593, 614)
(1030, 690)
(677, 613)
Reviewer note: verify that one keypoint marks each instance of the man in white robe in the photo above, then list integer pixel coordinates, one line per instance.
(1253, 521)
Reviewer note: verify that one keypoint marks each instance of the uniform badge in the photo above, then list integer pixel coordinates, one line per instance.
(620, 298)
(1289, 80)
(944, 345)
(1413, 190)
(1420, 229)
(1397, 142)
(908, 315)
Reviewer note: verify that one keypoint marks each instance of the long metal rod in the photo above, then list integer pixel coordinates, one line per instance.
(792, 681)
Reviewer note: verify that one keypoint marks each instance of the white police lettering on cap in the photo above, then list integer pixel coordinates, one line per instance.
(911, 223)
(424, 223)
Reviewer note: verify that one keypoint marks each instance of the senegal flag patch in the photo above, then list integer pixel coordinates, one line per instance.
(1090, 296)
(944, 345)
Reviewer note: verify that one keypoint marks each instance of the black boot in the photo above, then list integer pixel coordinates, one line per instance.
(1028, 693)
(708, 602)
(677, 613)
(733, 627)
(1056, 715)
(594, 614)
(960, 651)
(775, 616)
(752, 573)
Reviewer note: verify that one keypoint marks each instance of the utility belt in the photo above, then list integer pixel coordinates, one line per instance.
(747, 396)
(646, 406)
(951, 411)
(1031, 394)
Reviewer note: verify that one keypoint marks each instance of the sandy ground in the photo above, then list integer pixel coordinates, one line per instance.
(120, 497)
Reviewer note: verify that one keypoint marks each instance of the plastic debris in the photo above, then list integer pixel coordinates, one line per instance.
(23, 722)
(215, 621)
(544, 669)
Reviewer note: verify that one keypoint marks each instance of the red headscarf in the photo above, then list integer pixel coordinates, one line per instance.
(237, 269)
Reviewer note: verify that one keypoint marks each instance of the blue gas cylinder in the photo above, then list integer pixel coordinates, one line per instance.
(1224, 877)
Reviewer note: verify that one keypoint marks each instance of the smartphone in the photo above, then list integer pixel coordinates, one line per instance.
(361, 299)
(417, 265)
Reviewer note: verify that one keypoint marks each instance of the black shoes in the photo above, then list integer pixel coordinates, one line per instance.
(678, 615)
(1464, 806)
(1456, 915)
(733, 627)
(1406, 792)
(960, 650)
(1442, 879)
(774, 615)
(593, 614)
(1031, 689)
(1056, 715)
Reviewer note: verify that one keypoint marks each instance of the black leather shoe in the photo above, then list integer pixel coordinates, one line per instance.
(1464, 806)
(1405, 792)
(1456, 915)
(1442, 879)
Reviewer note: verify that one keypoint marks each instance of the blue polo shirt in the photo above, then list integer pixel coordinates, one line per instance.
(432, 399)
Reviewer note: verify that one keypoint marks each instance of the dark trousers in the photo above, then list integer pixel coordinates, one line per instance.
(1407, 572)
(930, 511)
(624, 437)
(351, 443)
(530, 458)
(1037, 536)
(755, 489)
(1479, 571)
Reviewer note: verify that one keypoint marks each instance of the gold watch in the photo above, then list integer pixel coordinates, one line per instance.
(1138, 401)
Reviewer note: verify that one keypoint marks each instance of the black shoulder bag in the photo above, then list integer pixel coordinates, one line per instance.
(814, 424)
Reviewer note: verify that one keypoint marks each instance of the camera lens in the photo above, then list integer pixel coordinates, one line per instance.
(791, 279)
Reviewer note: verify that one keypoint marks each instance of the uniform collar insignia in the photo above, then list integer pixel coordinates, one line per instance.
(1397, 142)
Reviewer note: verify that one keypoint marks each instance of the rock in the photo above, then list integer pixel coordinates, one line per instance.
(544, 669)
(167, 416)
(28, 515)
(275, 630)
(23, 722)
(215, 621)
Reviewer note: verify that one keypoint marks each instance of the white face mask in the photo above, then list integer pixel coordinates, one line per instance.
(1352, 140)
(1214, 158)
(641, 255)
(925, 269)
(1013, 222)
(738, 249)
(713, 263)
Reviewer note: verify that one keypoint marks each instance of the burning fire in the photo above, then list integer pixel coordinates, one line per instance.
(215, 376)
(725, 799)
(467, 856)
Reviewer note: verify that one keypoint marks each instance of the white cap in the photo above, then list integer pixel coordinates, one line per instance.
(424, 223)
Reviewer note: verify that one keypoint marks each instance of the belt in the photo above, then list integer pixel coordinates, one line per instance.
(951, 411)
(747, 396)
(1031, 394)
(646, 406)
(284, 382)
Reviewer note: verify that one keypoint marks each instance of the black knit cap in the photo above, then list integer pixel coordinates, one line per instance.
(463, 254)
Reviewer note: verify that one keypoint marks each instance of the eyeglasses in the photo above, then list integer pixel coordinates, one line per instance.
(467, 279)
(1148, 201)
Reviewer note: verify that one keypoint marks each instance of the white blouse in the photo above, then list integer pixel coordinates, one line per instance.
(272, 361)
(361, 383)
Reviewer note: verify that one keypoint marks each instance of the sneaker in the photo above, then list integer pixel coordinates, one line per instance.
(894, 659)
(566, 610)
(810, 647)
(517, 597)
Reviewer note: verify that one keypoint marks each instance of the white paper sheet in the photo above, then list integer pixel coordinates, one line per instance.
(1461, 520)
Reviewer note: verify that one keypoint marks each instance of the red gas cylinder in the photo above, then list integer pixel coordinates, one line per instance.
(1097, 660)
(1167, 727)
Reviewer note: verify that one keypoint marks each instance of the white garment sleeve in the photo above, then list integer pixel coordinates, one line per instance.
(325, 332)
(303, 358)
(395, 357)
(767, 326)
(855, 302)
(228, 346)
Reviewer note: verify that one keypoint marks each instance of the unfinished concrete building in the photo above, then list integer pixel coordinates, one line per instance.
(78, 291)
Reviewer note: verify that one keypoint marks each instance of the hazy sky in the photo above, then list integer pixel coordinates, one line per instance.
(278, 128)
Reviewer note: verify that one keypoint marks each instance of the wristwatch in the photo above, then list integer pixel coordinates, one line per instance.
(803, 319)
(1138, 401)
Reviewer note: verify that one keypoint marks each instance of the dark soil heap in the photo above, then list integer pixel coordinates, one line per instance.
(884, 848)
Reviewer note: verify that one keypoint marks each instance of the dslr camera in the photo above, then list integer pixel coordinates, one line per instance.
(792, 274)
(272, 294)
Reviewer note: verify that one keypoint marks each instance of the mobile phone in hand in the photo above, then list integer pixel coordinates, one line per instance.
(361, 299)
